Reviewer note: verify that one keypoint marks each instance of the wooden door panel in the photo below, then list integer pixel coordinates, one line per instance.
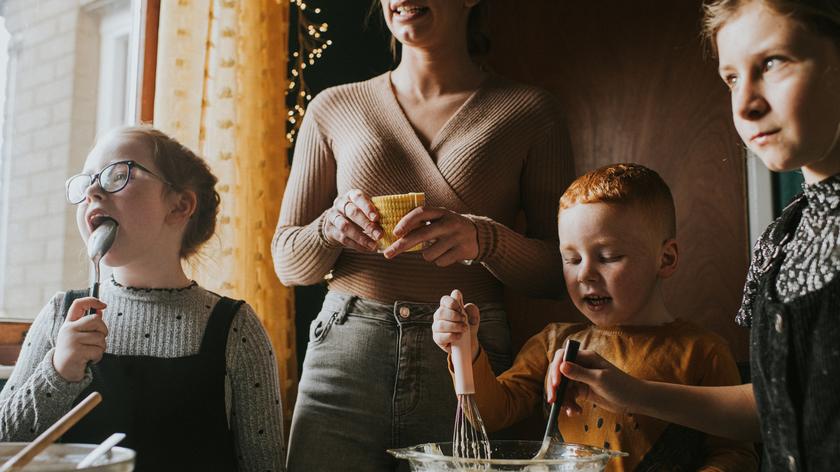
(636, 87)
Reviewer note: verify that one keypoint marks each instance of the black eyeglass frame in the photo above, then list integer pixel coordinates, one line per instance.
(96, 178)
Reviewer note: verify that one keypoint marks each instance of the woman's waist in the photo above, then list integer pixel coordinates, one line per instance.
(399, 310)
(410, 278)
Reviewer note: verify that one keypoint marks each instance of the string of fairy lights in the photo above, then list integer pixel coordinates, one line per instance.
(311, 44)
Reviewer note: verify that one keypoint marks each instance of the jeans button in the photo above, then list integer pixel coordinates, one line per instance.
(779, 323)
(791, 463)
(405, 312)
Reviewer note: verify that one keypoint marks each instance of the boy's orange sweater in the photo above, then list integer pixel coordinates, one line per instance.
(678, 352)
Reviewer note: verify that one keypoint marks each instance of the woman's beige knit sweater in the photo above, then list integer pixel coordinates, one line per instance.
(505, 150)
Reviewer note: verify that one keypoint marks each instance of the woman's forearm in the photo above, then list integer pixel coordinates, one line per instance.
(530, 265)
(301, 254)
(728, 412)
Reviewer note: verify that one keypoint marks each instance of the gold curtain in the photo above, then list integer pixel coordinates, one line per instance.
(220, 89)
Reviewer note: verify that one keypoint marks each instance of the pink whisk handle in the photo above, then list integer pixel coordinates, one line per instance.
(462, 364)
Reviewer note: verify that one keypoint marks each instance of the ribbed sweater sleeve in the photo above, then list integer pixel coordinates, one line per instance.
(531, 263)
(256, 412)
(35, 396)
(302, 255)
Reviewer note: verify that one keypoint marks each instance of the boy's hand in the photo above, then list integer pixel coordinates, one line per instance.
(595, 380)
(450, 322)
(81, 339)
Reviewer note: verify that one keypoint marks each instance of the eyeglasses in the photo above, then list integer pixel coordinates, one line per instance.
(113, 178)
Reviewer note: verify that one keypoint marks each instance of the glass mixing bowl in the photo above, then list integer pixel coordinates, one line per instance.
(509, 456)
(64, 457)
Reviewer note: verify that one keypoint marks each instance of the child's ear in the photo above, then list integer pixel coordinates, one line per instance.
(669, 257)
(183, 206)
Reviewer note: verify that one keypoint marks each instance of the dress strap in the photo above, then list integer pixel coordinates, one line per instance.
(218, 326)
(69, 297)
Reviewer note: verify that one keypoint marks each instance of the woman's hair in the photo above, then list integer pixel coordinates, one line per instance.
(184, 170)
(478, 43)
(817, 16)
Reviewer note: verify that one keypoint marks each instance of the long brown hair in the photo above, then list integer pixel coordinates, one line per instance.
(817, 16)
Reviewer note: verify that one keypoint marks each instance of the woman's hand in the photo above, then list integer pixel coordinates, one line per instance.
(81, 339)
(450, 322)
(352, 222)
(595, 380)
(453, 237)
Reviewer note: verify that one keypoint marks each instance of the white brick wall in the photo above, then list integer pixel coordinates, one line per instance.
(50, 122)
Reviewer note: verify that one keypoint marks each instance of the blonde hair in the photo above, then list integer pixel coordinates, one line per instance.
(184, 170)
(625, 184)
(817, 16)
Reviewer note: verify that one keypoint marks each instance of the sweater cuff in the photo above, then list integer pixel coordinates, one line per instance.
(322, 237)
(487, 235)
(55, 385)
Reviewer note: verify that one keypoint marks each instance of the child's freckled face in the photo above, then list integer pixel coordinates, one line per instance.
(785, 86)
(139, 208)
(610, 262)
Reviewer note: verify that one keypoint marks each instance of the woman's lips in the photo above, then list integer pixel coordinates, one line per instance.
(406, 13)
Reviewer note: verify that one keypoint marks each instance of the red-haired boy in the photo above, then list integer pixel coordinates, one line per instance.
(617, 229)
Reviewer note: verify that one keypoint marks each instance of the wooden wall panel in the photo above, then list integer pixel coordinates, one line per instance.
(636, 87)
(12, 334)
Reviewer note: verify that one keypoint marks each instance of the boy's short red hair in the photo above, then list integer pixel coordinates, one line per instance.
(626, 184)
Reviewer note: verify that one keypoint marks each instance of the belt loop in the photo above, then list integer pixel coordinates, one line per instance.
(345, 307)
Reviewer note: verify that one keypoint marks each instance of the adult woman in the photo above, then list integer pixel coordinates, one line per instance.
(476, 144)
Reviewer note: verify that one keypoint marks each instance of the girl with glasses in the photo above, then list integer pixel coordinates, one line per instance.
(188, 375)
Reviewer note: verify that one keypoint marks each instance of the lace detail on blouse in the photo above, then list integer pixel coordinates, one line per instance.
(812, 250)
(812, 257)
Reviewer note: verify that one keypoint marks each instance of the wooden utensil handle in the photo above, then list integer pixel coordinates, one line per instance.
(52, 434)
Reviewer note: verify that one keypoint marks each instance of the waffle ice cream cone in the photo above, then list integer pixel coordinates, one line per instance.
(392, 208)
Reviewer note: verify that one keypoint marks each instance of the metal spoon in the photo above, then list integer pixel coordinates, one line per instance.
(569, 354)
(100, 450)
(98, 244)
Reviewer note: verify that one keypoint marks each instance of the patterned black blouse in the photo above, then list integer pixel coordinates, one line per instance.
(792, 305)
(812, 252)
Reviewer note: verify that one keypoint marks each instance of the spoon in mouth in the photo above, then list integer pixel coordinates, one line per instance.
(98, 244)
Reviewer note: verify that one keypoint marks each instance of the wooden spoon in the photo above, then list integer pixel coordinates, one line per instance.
(51, 435)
